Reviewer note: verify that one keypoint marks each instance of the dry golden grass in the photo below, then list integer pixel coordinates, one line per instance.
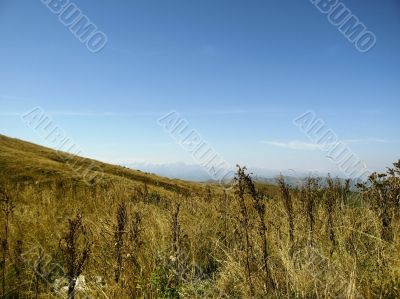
(196, 252)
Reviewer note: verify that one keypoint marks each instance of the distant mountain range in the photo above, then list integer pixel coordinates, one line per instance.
(181, 171)
(197, 173)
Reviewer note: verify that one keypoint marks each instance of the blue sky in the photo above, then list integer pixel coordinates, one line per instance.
(238, 71)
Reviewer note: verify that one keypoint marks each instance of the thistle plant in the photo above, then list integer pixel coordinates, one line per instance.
(288, 204)
(240, 185)
(259, 206)
(309, 195)
(119, 239)
(75, 246)
(7, 207)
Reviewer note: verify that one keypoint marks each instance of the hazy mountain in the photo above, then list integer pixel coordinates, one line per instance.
(197, 173)
(182, 171)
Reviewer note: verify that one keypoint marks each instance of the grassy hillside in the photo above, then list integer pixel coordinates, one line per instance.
(21, 161)
(129, 234)
(25, 162)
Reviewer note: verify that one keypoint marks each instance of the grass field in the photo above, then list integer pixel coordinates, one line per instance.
(129, 234)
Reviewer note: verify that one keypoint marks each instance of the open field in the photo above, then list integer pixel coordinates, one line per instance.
(135, 235)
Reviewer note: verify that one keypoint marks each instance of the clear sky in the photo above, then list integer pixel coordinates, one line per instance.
(238, 71)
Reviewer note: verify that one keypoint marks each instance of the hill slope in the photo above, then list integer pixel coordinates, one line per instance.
(28, 162)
